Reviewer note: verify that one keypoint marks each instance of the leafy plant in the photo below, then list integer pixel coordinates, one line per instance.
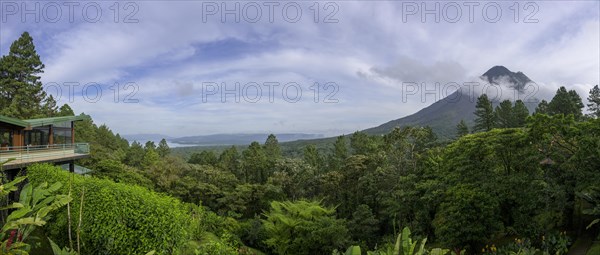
(353, 250)
(30, 212)
(556, 243)
(592, 196)
(404, 245)
(61, 251)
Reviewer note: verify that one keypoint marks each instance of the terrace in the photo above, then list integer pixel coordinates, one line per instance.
(46, 140)
(21, 156)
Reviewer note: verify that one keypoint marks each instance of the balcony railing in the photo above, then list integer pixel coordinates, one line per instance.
(41, 153)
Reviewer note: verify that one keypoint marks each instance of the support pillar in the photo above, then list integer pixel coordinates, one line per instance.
(51, 135)
(72, 132)
(72, 166)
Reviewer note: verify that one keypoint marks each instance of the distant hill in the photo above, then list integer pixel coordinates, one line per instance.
(443, 115)
(239, 139)
(142, 138)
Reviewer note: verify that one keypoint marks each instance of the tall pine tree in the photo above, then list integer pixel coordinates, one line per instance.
(520, 113)
(462, 129)
(594, 102)
(338, 154)
(65, 110)
(163, 148)
(504, 115)
(542, 108)
(255, 164)
(311, 156)
(21, 92)
(272, 147)
(566, 102)
(230, 160)
(485, 118)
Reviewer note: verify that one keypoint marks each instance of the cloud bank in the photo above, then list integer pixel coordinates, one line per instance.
(350, 72)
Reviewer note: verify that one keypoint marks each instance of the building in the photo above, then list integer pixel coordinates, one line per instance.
(46, 140)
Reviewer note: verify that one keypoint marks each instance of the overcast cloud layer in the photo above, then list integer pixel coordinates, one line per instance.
(172, 60)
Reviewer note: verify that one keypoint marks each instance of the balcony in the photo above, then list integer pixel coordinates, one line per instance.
(56, 153)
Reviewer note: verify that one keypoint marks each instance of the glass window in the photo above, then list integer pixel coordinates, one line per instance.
(66, 124)
(62, 135)
(37, 136)
(6, 138)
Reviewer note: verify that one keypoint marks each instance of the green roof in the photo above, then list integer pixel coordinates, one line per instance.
(55, 120)
(42, 121)
(13, 121)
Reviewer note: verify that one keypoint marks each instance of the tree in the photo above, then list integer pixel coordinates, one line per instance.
(462, 129)
(594, 102)
(566, 102)
(163, 148)
(135, 155)
(338, 154)
(520, 113)
(340, 149)
(504, 115)
(151, 158)
(149, 146)
(206, 157)
(362, 143)
(364, 226)
(229, 160)
(254, 164)
(542, 108)
(311, 156)
(484, 114)
(464, 205)
(295, 178)
(272, 147)
(272, 151)
(65, 110)
(21, 92)
(303, 227)
(49, 108)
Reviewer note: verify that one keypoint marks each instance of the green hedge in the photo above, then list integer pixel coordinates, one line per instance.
(117, 218)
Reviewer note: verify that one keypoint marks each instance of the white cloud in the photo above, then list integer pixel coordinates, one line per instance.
(368, 53)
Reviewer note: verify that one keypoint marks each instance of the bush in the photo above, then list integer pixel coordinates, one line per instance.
(117, 218)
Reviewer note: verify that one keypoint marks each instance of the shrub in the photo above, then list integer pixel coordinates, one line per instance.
(117, 218)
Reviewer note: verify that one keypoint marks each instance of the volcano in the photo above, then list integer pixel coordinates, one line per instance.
(443, 115)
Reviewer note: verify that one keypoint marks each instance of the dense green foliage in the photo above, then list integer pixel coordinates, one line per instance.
(303, 228)
(511, 182)
(116, 218)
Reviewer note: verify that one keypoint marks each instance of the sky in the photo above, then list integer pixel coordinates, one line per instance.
(182, 68)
